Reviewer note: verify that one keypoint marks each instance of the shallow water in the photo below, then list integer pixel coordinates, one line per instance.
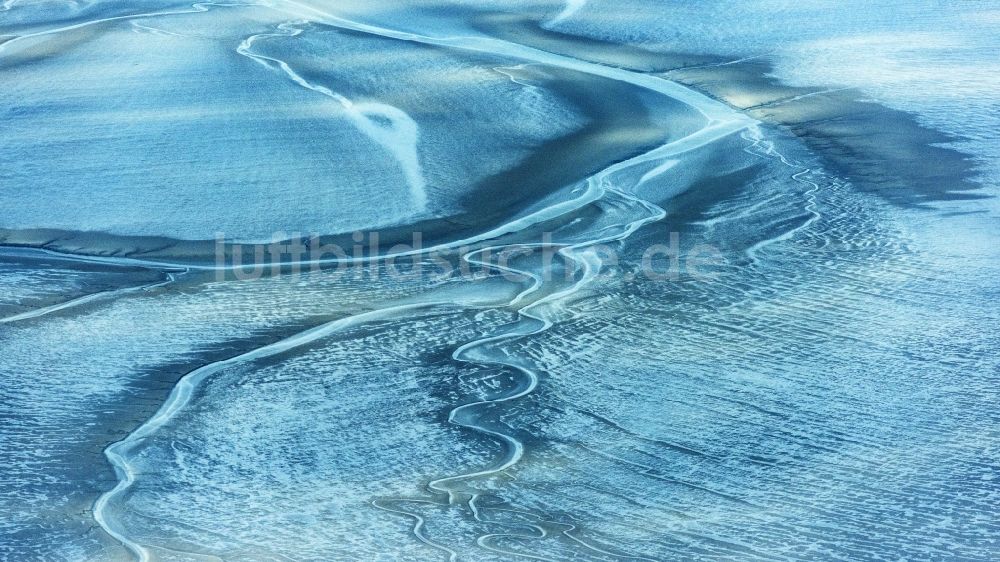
(666, 331)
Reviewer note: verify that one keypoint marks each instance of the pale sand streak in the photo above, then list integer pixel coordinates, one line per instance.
(400, 138)
(38, 312)
(568, 11)
(722, 122)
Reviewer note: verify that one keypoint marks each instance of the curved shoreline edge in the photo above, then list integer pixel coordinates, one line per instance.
(856, 138)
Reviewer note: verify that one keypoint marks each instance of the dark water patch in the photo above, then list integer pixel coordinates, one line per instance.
(879, 149)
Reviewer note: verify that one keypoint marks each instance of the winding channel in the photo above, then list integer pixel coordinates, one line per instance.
(536, 310)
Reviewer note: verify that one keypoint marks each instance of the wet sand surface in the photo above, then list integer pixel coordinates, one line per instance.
(512, 350)
(856, 138)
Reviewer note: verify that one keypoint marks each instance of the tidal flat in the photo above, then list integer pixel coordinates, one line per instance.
(588, 280)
